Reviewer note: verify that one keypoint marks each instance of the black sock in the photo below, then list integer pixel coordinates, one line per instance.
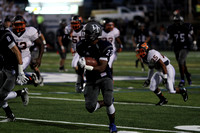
(159, 94)
(8, 112)
(111, 118)
(19, 92)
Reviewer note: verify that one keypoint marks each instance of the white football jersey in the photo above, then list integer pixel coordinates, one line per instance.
(25, 41)
(68, 29)
(76, 37)
(110, 36)
(155, 55)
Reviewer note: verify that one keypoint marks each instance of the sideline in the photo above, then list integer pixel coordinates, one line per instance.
(98, 125)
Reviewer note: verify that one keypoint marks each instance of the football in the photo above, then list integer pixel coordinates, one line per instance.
(91, 61)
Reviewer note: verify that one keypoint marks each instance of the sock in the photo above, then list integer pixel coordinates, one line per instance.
(111, 118)
(8, 111)
(159, 94)
(11, 95)
(97, 106)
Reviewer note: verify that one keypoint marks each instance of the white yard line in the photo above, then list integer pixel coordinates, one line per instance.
(124, 103)
(98, 125)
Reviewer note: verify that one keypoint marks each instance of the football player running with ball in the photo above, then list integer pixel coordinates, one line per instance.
(98, 78)
(165, 72)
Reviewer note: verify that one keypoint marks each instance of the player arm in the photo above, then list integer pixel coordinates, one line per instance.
(120, 44)
(147, 39)
(40, 45)
(16, 51)
(60, 43)
(134, 42)
(102, 66)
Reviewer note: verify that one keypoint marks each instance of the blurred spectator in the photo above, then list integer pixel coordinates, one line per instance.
(162, 38)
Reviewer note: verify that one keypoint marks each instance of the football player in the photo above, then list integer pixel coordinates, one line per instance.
(26, 37)
(62, 42)
(181, 34)
(98, 78)
(11, 69)
(165, 72)
(76, 36)
(112, 34)
(140, 35)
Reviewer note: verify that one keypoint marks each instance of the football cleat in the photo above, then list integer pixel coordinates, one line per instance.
(35, 80)
(181, 84)
(79, 88)
(161, 102)
(184, 94)
(9, 119)
(189, 79)
(24, 96)
(112, 128)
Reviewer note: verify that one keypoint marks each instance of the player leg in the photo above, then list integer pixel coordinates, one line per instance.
(91, 93)
(79, 71)
(155, 81)
(6, 93)
(107, 92)
(183, 56)
(62, 60)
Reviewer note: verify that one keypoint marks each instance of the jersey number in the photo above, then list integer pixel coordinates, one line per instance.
(22, 45)
(180, 37)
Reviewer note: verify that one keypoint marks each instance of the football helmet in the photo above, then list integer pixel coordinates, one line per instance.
(63, 22)
(107, 24)
(92, 31)
(19, 23)
(142, 50)
(76, 22)
(178, 19)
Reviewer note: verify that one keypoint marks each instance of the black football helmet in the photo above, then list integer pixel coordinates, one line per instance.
(142, 50)
(178, 19)
(19, 23)
(63, 22)
(76, 22)
(92, 31)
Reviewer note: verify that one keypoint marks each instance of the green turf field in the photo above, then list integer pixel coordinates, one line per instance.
(56, 108)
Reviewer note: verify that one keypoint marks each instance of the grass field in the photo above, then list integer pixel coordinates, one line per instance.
(56, 108)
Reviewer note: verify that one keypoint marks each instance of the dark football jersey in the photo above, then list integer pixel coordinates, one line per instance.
(65, 40)
(179, 35)
(140, 36)
(103, 49)
(9, 58)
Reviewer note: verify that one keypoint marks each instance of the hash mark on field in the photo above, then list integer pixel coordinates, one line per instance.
(97, 125)
(124, 103)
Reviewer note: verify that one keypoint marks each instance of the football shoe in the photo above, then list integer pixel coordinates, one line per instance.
(112, 128)
(161, 102)
(9, 119)
(35, 80)
(24, 96)
(79, 87)
(184, 94)
(181, 84)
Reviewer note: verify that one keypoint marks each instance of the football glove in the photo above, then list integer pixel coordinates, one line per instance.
(82, 62)
(146, 83)
(21, 78)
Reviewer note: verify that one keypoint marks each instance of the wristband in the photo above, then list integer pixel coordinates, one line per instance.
(44, 42)
(20, 69)
(62, 47)
(90, 68)
(165, 76)
(194, 42)
(121, 46)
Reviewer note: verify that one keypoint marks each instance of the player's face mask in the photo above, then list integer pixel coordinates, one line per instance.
(109, 26)
(75, 25)
(19, 26)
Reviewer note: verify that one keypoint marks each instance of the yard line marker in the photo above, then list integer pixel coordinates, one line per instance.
(98, 125)
(122, 103)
